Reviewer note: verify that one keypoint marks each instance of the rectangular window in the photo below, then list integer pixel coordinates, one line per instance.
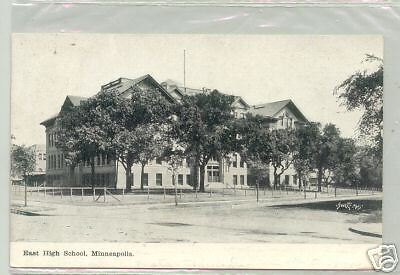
(235, 181)
(241, 162)
(103, 159)
(98, 160)
(180, 179)
(235, 159)
(294, 179)
(159, 179)
(158, 161)
(241, 179)
(145, 179)
(286, 179)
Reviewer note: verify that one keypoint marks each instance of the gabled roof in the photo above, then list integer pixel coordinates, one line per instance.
(49, 121)
(241, 100)
(70, 101)
(76, 100)
(121, 85)
(270, 109)
(191, 91)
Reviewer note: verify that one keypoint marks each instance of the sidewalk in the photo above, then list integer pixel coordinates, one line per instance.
(51, 207)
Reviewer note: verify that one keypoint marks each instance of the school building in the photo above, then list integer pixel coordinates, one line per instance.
(109, 172)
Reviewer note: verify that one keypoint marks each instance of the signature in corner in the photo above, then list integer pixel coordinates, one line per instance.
(349, 206)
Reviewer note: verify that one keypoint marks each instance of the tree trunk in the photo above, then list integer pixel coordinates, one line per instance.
(195, 178)
(299, 175)
(92, 172)
(319, 178)
(275, 178)
(202, 171)
(142, 177)
(129, 177)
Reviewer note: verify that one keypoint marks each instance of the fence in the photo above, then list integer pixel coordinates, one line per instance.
(105, 194)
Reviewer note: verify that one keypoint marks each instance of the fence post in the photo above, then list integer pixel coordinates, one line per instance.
(70, 193)
(315, 194)
(37, 190)
(210, 191)
(52, 191)
(123, 192)
(94, 193)
(82, 193)
(45, 191)
(180, 194)
(61, 192)
(245, 193)
(164, 193)
(105, 190)
(148, 193)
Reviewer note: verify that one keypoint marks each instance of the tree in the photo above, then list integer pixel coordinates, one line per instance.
(23, 162)
(254, 145)
(344, 167)
(137, 120)
(306, 138)
(205, 124)
(370, 173)
(81, 133)
(325, 151)
(282, 142)
(363, 90)
(150, 144)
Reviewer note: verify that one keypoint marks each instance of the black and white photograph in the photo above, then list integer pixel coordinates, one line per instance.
(194, 139)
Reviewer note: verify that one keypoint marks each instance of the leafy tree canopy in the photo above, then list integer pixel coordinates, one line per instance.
(364, 90)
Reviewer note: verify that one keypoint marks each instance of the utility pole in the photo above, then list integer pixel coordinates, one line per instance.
(184, 70)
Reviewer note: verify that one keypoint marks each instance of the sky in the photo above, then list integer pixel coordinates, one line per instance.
(259, 68)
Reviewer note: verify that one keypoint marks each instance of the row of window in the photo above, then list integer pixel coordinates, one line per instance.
(159, 179)
(51, 140)
(55, 162)
(42, 156)
(235, 161)
(235, 179)
(288, 122)
(100, 160)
